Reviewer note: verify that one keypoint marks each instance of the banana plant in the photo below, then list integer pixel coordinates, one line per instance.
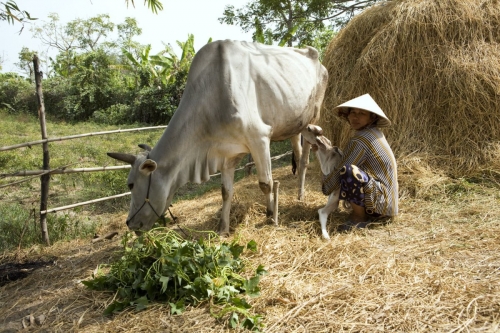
(139, 65)
(164, 66)
(171, 64)
(179, 64)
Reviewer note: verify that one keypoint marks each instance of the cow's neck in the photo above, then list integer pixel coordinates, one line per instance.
(183, 156)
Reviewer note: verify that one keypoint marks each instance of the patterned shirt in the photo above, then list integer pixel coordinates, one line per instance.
(370, 152)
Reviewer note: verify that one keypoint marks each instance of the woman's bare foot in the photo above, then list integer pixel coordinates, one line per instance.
(358, 219)
(358, 214)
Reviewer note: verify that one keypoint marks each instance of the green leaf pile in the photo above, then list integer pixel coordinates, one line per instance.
(161, 266)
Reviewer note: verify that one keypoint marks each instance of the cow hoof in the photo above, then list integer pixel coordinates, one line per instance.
(223, 232)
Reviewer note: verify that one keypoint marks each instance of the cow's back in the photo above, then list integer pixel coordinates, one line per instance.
(244, 84)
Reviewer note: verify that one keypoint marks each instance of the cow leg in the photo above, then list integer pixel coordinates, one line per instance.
(261, 155)
(304, 162)
(331, 205)
(227, 178)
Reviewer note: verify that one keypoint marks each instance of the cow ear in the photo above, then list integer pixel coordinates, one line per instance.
(123, 157)
(315, 129)
(320, 143)
(147, 167)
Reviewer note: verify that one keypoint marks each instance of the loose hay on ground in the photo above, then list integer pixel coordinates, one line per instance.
(435, 268)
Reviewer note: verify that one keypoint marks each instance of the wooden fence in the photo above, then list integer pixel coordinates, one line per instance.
(46, 172)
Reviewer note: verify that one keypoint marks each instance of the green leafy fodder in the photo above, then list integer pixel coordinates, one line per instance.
(161, 266)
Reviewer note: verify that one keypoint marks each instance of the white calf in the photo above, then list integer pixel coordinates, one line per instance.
(329, 158)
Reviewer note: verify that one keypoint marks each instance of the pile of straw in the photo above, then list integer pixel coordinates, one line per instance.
(434, 67)
(435, 269)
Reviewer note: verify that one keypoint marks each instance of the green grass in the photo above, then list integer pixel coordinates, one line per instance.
(17, 202)
(19, 226)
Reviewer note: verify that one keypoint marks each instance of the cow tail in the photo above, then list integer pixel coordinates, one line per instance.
(294, 164)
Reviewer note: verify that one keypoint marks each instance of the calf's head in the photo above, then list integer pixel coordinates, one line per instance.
(148, 197)
(329, 156)
(314, 135)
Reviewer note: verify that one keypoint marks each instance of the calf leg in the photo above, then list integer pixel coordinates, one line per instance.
(331, 205)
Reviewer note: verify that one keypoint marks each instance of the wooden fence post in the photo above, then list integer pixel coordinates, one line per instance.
(45, 179)
(276, 189)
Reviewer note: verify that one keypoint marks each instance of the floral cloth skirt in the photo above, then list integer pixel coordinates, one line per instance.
(358, 187)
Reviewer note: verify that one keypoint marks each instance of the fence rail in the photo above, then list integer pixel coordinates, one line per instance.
(46, 172)
(38, 142)
(25, 173)
(83, 203)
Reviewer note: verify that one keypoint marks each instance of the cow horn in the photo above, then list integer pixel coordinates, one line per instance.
(123, 157)
(144, 146)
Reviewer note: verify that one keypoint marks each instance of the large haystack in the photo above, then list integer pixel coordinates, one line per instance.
(434, 68)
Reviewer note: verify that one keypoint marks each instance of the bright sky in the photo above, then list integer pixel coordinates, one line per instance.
(178, 19)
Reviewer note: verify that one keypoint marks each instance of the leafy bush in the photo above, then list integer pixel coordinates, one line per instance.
(57, 97)
(114, 115)
(157, 104)
(17, 94)
(161, 266)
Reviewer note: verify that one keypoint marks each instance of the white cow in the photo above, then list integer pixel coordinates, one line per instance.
(238, 98)
(329, 158)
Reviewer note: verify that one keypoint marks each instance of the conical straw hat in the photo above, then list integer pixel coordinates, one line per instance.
(364, 102)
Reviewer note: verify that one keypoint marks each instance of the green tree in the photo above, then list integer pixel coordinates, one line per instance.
(161, 68)
(10, 11)
(126, 33)
(85, 35)
(173, 64)
(77, 36)
(91, 32)
(141, 66)
(92, 86)
(25, 63)
(156, 103)
(154, 5)
(53, 34)
(292, 21)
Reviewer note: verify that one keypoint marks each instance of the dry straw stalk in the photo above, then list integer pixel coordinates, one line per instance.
(434, 68)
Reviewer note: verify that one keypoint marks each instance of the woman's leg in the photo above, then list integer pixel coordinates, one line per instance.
(352, 180)
(358, 214)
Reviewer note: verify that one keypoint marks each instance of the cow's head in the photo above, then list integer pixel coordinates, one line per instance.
(149, 197)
